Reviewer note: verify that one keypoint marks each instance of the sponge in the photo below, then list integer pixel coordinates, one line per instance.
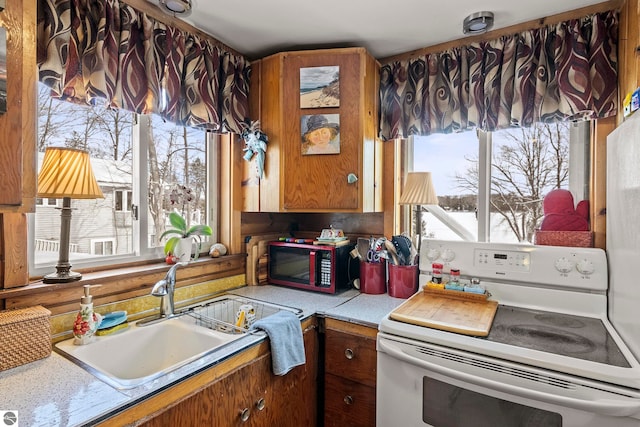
(113, 319)
(113, 329)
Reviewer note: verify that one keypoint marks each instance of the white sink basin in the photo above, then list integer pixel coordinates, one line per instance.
(139, 354)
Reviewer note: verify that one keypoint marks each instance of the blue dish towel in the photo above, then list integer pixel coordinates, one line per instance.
(287, 345)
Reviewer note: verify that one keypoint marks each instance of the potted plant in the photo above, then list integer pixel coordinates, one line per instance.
(180, 244)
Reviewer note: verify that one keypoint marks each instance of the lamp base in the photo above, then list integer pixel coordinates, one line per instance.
(62, 277)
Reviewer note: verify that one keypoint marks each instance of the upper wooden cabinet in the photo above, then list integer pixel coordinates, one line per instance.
(297, 182)
(18, 123)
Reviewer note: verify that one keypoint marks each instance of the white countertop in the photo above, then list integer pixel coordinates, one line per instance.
(56, 392)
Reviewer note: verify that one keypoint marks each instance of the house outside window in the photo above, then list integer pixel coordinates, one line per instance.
(491, 186)
(137, 161)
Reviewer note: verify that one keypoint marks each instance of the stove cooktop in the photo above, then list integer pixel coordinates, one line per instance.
(580, 337)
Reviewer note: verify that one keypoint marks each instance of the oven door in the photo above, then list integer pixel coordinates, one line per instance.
(420, 384)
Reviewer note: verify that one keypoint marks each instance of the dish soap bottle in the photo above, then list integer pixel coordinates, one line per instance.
(87, 321)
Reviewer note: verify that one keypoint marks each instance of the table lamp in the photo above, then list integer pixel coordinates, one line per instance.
(66, 173)
(418, 190)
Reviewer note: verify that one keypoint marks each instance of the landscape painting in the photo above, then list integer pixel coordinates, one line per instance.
(320, 87)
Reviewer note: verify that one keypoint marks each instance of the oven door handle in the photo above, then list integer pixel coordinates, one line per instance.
(623, 407)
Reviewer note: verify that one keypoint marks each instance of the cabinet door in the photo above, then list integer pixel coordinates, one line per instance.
(319, 181)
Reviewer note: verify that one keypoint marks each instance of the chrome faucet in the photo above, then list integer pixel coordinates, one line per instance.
(165, 289)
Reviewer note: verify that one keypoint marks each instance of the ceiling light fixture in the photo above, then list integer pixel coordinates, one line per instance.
(179, 8)
(477, 23)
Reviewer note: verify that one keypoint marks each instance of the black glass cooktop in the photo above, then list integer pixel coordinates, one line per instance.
(567, 335)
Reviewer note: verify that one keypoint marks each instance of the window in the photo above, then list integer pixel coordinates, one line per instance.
(491, 185)
(145, 168)
(46, 202)
(123, 200)
(102, 246)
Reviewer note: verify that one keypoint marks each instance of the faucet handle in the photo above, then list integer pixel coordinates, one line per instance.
(160, 288)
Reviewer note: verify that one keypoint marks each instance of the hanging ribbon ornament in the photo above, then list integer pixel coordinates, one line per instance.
(255, 144)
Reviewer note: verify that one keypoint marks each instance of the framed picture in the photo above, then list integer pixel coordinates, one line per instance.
(320, 87)
(320, 134)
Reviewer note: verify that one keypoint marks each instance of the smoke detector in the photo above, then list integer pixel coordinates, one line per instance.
(477, 23)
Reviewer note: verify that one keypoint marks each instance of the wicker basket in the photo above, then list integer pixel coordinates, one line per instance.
(26, 336)
(582, 239)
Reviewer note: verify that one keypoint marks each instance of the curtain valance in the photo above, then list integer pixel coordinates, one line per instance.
(557, 72)
(92, 51)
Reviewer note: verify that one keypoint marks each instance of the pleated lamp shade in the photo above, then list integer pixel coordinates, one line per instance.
(66, 172)
(419, 190)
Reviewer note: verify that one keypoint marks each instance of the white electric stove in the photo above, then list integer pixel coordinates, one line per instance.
(552, 358)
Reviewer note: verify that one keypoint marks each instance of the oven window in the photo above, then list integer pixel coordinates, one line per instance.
(445, 405)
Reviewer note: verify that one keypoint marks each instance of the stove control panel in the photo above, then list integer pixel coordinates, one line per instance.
(569, 267)
(502, 260)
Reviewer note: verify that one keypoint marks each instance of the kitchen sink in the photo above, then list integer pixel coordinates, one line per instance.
(140, 354)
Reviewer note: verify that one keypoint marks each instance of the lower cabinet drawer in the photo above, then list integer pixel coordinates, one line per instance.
(348, 403)
(351, 356)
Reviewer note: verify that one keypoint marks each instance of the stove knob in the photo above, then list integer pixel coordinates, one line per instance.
(448, 255)
(563, 265)
(585, 267)
(433, 254)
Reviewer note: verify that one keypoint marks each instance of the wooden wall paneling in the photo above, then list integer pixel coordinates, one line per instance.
(119, 284)
(18, 124)
(598, 173)
(250, 181)
(15, 270)
(265, 222)
(230, 201)
(352, 223)
(628, 54)
(391, 186)
(272, 124)
(371, 161)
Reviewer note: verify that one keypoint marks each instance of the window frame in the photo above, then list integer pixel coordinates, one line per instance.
(140, 251)
(580, 142)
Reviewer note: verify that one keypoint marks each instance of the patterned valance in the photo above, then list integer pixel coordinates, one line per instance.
(92, 51)
(557, 72)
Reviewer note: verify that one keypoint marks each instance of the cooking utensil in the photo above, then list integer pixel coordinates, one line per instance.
(363, 246)
(391, 249)
(403, 249)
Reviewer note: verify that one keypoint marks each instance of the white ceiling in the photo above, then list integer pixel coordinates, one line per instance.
(257, 28)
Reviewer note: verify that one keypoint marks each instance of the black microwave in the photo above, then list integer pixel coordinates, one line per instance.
(319, 268)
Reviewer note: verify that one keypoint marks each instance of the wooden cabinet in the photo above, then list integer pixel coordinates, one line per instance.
(246, 394)
(350, 375)
(297, 182)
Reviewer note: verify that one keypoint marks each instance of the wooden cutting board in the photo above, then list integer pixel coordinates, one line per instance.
(453, 314)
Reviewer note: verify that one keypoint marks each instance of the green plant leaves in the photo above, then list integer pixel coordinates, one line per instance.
(180, 231)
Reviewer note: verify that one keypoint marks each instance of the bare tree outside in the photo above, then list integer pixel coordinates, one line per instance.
(176, 161)
(527, 163)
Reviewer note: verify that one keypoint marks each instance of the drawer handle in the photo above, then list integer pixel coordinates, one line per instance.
(245, 414)
(260, 404)
(348, 399)
(348, 353)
